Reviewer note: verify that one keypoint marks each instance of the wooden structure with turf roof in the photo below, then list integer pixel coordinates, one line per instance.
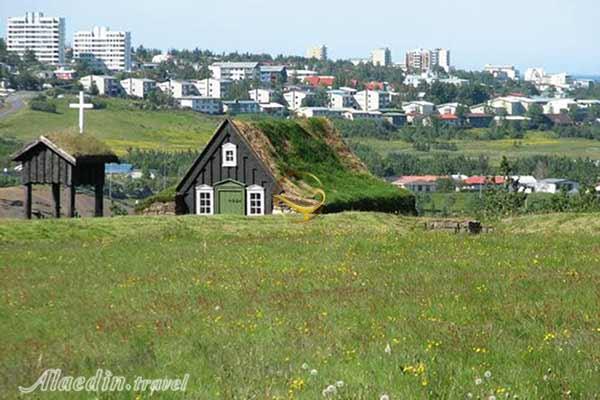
(64, 159)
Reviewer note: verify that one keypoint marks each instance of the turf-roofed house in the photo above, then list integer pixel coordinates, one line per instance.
(64, 159)
(247, 163)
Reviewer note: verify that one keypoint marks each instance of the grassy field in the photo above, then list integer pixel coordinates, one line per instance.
(118, 125)
(534, 143)
(250, 307)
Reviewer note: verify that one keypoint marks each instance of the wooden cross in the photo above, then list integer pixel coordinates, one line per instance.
(81, 106)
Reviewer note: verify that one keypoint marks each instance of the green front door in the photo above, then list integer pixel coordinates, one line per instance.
(230, 198)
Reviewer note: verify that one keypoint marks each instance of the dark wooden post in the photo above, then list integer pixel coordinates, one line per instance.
(56, 198)
(71, 201)
(99, 200)
(27, 203)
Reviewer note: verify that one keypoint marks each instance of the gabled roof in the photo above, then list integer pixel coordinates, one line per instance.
(71, 147)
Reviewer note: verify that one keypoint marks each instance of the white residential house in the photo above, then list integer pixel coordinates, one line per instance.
(294, 98)
(373, 100)
(453, 80)
(207, 105)
(587, 103)
(178, 89)
(160, 58)
(556, 106)
(241, 107)
(502, 72)
(45, 36)
(354, 115)
(448, 108)
(300, 74)
(213, 88)
(418, 107)
(273, 73)
(415, 80)
(138, 87)
(310, 112)
(341, 99)
(106, 85)
(272, 108)
(235, 71)
(556, 186)
(104, 48)
(261, 96)
(510, 104)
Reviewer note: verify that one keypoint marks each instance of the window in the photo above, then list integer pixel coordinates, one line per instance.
(204, 200)
(255, 198)
(229, 155)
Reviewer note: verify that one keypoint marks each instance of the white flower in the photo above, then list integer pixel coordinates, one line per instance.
(545, 377)
(217, 308)
(305, 366)
(313, 372)
(492, 398)
(388, 349)
(339, 384)
(384, 397)
(487, 374)
(469, 395)
(332, 389)
(478, 381)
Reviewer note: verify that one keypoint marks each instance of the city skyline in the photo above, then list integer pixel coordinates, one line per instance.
(548, 34)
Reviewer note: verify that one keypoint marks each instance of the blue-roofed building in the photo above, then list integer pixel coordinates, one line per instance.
(114, 168)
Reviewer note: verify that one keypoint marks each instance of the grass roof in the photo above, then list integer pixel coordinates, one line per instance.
(292, 149)
(80, 145)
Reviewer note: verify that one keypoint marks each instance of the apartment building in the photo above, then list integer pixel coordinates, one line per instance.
(241, 107)
(178, 89)
(418, 107)
(317, 52)
(341, 99)
(273, 73)
(138, 87)
(213, 88)
(373, 100)
(381, 57)
(423, 60)
(207, 105)
(103, 48)
(502, 72)
(235, 71)
(261, 96)
(295, 97)
(106, 85)
(45, 36)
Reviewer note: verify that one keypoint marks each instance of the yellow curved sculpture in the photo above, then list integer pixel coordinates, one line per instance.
(307, 211)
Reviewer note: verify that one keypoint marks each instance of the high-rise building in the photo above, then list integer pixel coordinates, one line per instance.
(318, 52)
(45, 36)
(423, 60)
(104, 48)
(382, 57)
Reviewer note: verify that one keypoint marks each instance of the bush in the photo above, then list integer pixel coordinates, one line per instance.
(42, 104)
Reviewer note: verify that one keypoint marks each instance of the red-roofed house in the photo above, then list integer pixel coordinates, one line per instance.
(316, 81)
(479, 182)
(418, 184)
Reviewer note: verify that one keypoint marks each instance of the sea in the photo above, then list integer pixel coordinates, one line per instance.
(595, 78)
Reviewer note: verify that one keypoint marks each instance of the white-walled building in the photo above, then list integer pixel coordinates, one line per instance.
(381, 57)
(354, 115)
(138, 87)
(106, 85)
(213, 88)
(241, 107)
(423, 60)
(273, 73)
(261, 96)
(294, 98)
(341, 99)
(104, 48)
(160, 58)
(317, 52)
(502, 72)
(556, 186)
(205, 105)
(418, 107)
(448, 108)
(373, 100)
(235, 71)
(45, 36)
(178, 89)
(310, 112)
(556, 106)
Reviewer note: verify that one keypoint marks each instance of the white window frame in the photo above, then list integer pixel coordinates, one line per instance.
(255, 189)
(205, 189)
(227, 147)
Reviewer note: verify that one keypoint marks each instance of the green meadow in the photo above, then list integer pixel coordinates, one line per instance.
(534, 143)
(273, 308)
(120, 125)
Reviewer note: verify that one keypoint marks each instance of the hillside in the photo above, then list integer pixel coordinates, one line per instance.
(244, 305)
(121, 125)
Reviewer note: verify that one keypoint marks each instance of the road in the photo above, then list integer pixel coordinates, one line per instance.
(15, 101)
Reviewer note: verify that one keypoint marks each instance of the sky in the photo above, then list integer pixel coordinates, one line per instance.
(558, 35)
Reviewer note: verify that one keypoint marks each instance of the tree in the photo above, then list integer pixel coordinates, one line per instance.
(29, 58)
(537, 118)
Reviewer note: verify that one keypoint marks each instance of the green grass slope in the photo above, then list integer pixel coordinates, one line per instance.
(241, 304)
(119, 125)
(314, 146)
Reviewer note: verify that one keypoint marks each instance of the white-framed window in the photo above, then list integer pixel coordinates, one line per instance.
(255, 200)
(205, 200)
(229, 155)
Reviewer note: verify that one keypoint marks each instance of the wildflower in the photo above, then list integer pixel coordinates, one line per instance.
(492, 397)
(487, 374)
(545, 377)
(384, 397)
(478, 381)
(217, 308)
(388, 349)
(339, 384)
(469, 395)
(305, 366)
(332, 389)
(313, 372)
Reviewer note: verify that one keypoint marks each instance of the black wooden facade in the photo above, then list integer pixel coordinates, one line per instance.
(210, 170)
(44, 162)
